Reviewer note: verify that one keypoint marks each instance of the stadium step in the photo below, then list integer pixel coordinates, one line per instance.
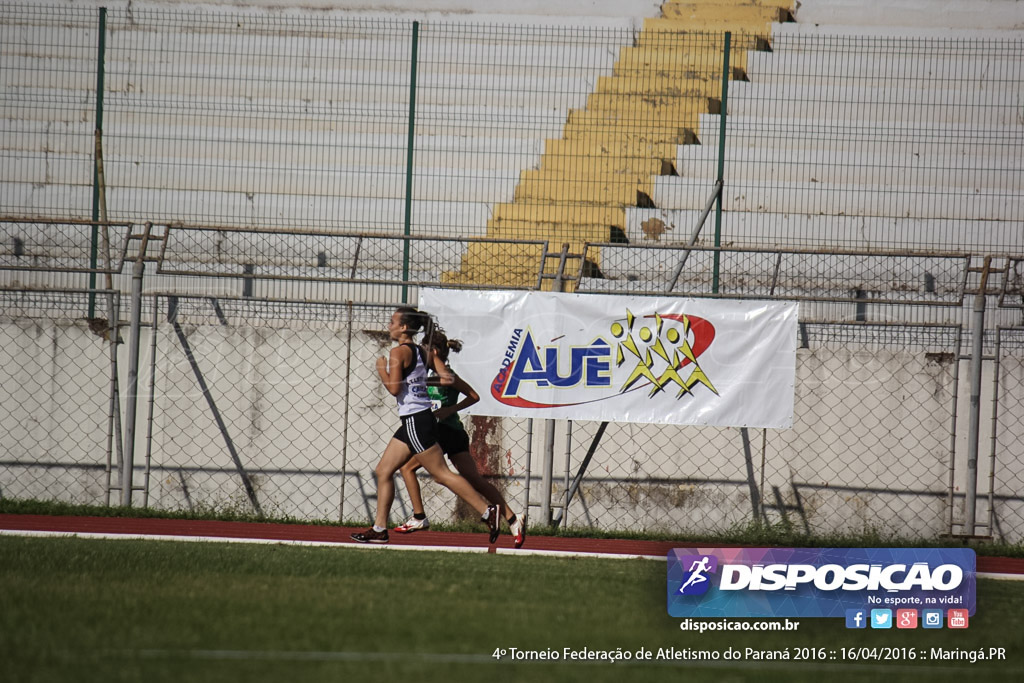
(911, 14)
(611, 152)
(818, 231)
(769, 196)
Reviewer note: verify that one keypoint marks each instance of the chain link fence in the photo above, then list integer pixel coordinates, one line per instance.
(271, 407)
(1005, 469)
(275, 409)
(57, 406)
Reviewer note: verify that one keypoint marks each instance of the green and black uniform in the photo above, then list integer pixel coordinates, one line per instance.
(450, 433)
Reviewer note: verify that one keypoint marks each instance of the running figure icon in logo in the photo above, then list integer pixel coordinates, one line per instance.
(697, 581)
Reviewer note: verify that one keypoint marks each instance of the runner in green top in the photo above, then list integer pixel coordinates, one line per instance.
(455, 442)
(445, 397)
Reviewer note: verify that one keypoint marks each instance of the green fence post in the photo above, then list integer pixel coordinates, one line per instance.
(408, 163)
(721, 159)
(100, 68)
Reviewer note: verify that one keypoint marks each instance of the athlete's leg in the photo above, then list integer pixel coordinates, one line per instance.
(432, 460)
(466, 466)
(412, 484)
(395, 455)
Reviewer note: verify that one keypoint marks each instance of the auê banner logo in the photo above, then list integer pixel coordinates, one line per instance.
(818, 582)
(659, 352)
(623, 359)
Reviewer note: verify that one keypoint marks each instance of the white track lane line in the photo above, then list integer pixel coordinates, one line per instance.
(370, 546)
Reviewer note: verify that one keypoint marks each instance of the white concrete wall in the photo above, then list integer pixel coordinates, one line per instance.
(869, 449)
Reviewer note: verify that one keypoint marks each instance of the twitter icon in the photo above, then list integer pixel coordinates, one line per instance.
(881, 618)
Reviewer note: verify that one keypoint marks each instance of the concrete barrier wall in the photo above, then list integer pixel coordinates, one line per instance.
(869, 451)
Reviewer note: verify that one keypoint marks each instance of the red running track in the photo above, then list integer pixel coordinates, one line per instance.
(307, 533)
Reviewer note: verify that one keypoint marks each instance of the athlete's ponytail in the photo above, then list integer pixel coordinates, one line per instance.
(441, 344)
(415, 320)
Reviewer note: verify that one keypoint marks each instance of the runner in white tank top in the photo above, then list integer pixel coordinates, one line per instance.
(403, 374)
(413, 396)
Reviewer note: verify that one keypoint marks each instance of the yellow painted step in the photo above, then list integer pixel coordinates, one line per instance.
(678, 59)
(653, 114)
(675, 86)
(657, 84)
(704, 43)
(658, 32)
(748, 29)
(605, 164)
(613, 148)
(669, 6)
(586, 128)
(500, 257)
(622, 194)
(605, 188)
(567, 179)
(631, 102)
(542, 212)
(695, 12)
(618, 123)
(554, 233)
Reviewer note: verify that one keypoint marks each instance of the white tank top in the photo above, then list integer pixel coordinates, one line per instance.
(413, 396)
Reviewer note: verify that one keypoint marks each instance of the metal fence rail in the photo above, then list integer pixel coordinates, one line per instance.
(325, 266)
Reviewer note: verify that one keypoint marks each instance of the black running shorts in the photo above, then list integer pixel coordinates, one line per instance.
(453, 441)
(418, 431)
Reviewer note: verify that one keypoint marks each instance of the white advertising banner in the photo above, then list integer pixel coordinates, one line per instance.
(623, 358)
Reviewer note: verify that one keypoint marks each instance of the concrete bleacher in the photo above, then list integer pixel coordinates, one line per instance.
(516, 141)
(611, 152)
(878, 134)
(944, 15)
(267, 139)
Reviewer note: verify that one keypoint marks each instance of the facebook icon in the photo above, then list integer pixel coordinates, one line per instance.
(856, 618)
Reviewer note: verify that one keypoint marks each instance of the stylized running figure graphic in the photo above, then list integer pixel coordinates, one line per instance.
(697, 570)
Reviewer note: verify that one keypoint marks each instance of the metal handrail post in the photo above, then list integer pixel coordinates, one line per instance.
(409, 157)
(977, 357)
(721, 158)
(549, 433)
(131, 403)
(101, 49)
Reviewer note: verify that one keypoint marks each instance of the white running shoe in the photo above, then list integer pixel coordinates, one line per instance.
(412, 524)
(518, 529)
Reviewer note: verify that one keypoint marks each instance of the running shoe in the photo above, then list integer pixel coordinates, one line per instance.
(412, 524)
(493, 522)
(518, 529)
(371, 536)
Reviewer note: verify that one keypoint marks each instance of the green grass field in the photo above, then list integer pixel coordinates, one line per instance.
(93, 610)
